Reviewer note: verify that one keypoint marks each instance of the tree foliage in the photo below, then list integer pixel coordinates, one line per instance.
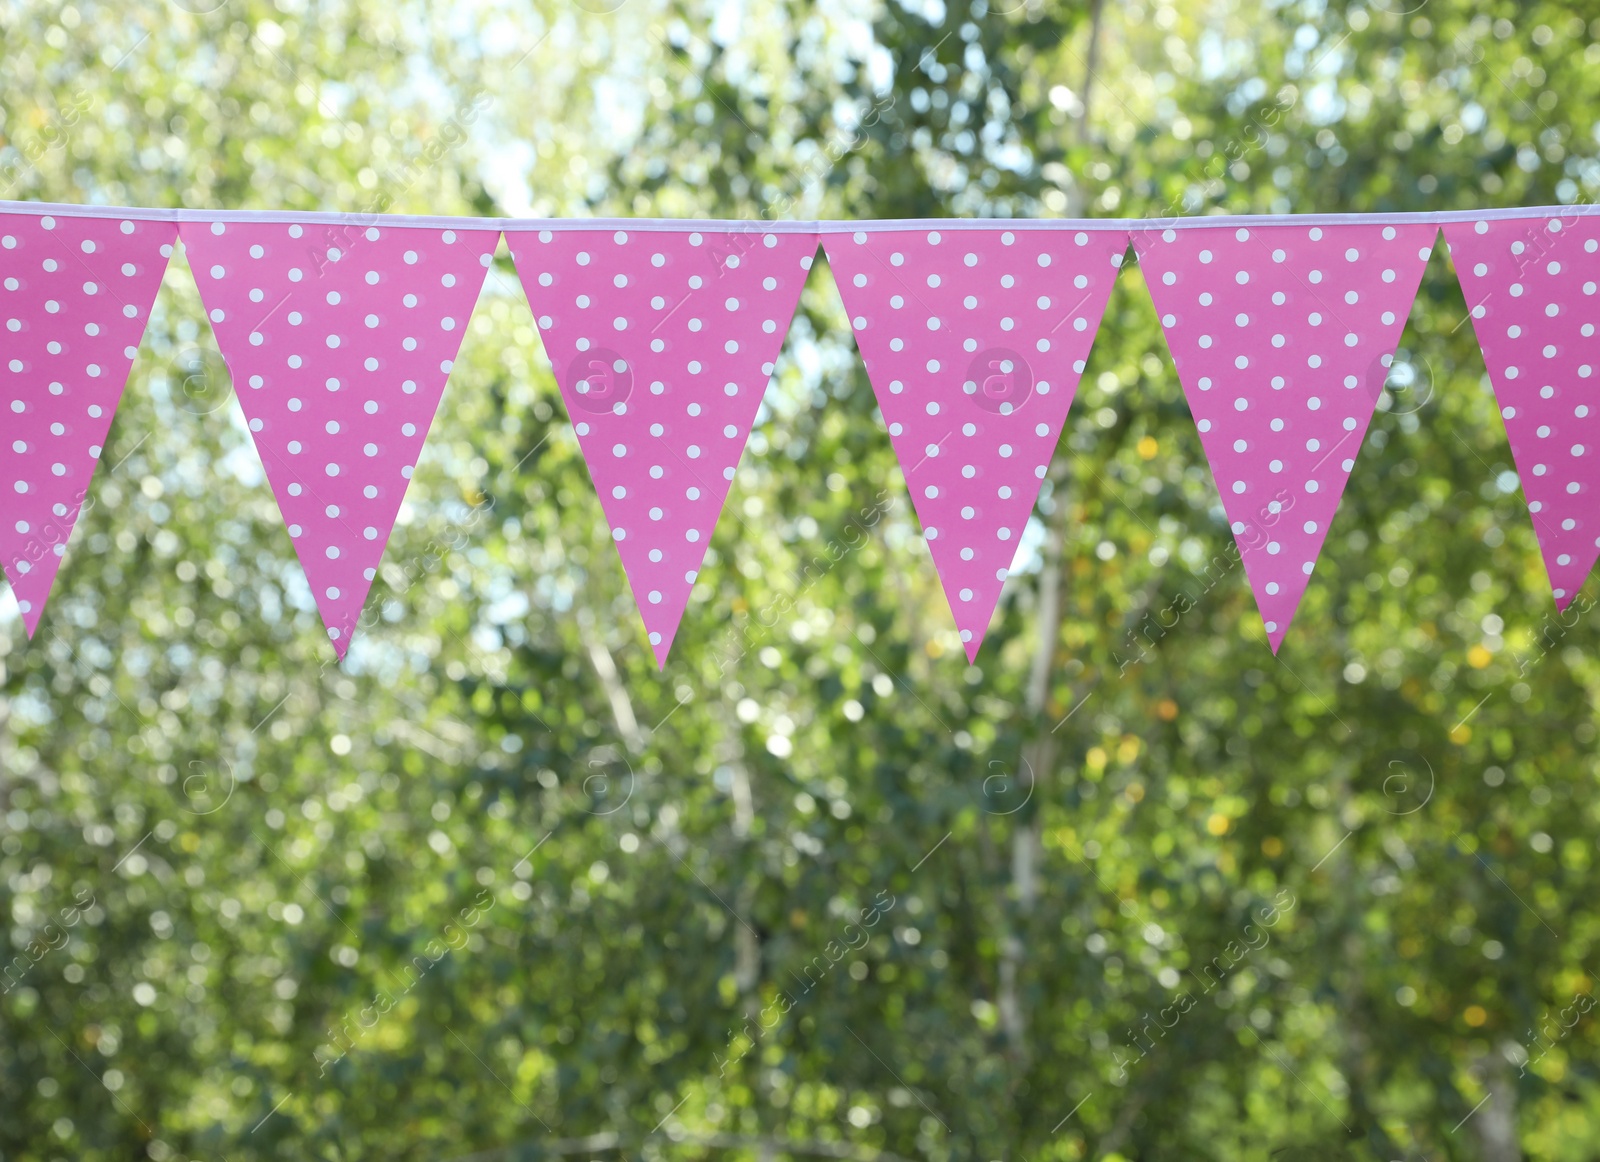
(1130, 887)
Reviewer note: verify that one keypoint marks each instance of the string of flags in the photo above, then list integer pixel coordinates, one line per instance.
(340, 333)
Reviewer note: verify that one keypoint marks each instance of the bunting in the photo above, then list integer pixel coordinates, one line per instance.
(1282, 337)
(1530, 285)
(341, 332)
(339, 341)
(77, 294)
(662, 342)
(974, 340)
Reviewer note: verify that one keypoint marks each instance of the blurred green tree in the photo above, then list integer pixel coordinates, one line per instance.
(494, 888)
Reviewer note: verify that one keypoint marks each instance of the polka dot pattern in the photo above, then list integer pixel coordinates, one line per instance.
(1533, 290)
(1282, 337)
(662, 342)
(340, 339)
(75, 294)
(974, 341)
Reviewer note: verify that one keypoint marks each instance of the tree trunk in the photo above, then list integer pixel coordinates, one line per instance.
(1038, 756)
(1496, 1119)
(605, 668)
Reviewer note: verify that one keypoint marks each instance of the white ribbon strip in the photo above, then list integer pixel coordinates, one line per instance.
(823, 226)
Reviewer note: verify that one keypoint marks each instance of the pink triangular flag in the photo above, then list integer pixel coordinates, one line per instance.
(77, 296)
(340, 339)
(662, 342)
(1531, 284)
(1282, 337)
(974, 339)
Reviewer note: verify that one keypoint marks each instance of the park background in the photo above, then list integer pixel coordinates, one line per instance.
(1128, 888)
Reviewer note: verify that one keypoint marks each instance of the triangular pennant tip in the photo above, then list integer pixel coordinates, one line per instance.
(76, 298)
(974, 340)
(662, 342)
(1282, 337)
(1530, 285)
(340, 338)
